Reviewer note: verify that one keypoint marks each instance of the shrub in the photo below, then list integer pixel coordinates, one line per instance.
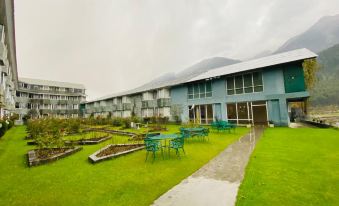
(117, 121)
(3, 128)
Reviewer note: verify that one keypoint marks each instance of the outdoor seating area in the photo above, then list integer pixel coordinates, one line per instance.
(156, 142)
(221, 126)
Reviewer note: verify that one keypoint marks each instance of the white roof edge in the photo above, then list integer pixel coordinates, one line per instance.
(51, 83)
(276, 59)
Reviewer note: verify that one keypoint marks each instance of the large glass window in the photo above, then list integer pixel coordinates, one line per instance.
(200, 90)
(231, 111)
(201, 114)
(246, 83)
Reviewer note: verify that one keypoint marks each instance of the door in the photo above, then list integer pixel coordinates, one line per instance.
(259, 114)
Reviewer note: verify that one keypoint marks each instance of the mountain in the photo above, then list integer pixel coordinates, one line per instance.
(192, 71)
(326, 89)
(322, 35)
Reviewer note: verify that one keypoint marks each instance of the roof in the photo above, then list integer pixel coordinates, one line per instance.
(51, 83)
(281, 58)
(276, 59)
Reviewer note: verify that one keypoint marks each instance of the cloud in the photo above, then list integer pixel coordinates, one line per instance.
(112, 46)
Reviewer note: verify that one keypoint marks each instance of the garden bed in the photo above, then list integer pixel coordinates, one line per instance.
(44, 156)
(90, 141)
(112, 151)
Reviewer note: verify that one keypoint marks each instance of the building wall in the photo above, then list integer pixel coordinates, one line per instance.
(178, 104)
(8, 69)
(47, 100)
(273, 93)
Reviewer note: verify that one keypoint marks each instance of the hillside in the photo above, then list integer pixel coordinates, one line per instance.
(326, 91)
(322, 35)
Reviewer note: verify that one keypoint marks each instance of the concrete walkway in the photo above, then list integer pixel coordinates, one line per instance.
(217, 182)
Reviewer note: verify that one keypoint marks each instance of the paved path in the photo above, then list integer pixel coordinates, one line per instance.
(217, 182)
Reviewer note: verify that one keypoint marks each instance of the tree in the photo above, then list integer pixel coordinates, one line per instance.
(311, 67)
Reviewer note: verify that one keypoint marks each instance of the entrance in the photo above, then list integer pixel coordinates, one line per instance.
(296, 110)
(259, 113)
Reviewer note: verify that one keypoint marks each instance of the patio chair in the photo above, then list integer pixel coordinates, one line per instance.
(152, 146)
(176, 144)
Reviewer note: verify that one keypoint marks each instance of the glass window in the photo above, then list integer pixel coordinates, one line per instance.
(242, 111)
(190, 92)
(209, 113)
(239, 87)
(196, 91)
(200, 90)
(257, 79)
(248, 84)
(231, 111)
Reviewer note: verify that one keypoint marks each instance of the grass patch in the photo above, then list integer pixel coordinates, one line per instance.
(127, 180)
(293, 167)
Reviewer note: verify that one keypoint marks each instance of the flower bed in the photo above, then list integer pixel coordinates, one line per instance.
(112, 151)
(44, 156)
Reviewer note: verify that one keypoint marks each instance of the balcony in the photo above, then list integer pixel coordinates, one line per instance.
(164, 102)
(127, 106)
(119, 107)
(149, 104)
(36, 90)
(3, 53)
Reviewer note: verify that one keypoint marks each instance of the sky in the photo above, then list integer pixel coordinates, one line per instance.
(115, 45)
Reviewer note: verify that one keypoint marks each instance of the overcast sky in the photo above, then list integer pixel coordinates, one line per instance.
(115, 45)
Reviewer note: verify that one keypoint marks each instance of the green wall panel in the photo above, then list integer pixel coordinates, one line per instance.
(294, 79)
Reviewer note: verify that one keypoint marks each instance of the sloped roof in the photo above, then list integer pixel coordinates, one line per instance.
(51, 83)
(263, 62)
(276, 59)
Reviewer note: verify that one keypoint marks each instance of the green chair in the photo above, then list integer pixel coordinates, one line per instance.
(176, 144)
(152, 146)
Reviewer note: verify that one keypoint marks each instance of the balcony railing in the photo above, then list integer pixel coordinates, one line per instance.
(127, 106)
(149, 104)
(36, 90)
(164, 102)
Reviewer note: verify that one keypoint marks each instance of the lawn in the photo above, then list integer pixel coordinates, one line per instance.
(293, 167)
(127, 180)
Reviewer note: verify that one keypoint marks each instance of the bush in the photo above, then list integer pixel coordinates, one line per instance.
(3, 128)
(117, 121)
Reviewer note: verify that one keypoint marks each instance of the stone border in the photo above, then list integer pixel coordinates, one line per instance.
(94, 159)
(33, 161)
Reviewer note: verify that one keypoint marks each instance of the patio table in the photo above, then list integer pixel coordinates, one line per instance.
(194, 130)
(165, 137)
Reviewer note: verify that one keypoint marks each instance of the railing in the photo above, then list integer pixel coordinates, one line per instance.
(164, 102)
(149, 104)
(34, 90)
(127, 106)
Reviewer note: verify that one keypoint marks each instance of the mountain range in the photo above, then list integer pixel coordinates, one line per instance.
(322, 35)
(321, 38)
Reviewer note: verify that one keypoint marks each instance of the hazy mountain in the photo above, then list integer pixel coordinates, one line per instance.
(326, 89)
(194, 70)
(322, 35)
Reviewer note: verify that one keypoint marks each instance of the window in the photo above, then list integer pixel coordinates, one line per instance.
(246, 83)
(200, 90)
(201, 114)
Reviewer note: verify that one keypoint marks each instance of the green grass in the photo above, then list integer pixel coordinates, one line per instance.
(293, 167)
(126, 180)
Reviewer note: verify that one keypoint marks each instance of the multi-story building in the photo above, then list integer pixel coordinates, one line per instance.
(48, 98)
(8, 68)
(252, 92)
